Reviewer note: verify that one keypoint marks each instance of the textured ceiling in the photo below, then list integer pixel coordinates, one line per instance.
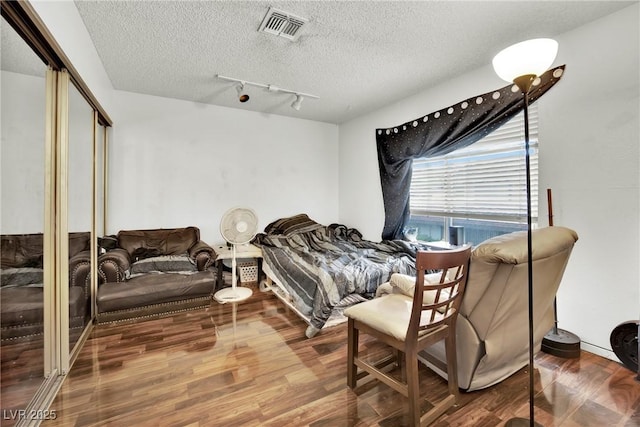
(357, 56)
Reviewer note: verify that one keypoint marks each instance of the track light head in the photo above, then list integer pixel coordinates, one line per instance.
(242, 97)
(297, 103)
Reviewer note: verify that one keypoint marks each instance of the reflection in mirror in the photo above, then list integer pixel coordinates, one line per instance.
(22, 151)
(80, 206)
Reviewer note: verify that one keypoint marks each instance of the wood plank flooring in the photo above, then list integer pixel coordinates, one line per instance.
(199, 368)
(21, 374)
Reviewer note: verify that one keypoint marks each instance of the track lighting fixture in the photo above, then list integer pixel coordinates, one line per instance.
(243, 97)
(296, 104)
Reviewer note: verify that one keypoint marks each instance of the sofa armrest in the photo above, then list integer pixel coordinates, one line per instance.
(203, 254)
(80, 271)
(112, 266)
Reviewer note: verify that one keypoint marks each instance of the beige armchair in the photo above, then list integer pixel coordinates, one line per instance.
(492, 329)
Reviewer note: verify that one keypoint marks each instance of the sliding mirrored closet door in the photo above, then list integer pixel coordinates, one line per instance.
(23, 284)
(79, 212)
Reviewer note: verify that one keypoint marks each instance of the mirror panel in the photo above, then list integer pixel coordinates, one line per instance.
(80, 212)
(22, 169)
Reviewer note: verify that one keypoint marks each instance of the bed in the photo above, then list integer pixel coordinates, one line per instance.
(317, 269)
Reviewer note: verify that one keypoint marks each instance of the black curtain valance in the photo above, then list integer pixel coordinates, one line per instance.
(442, 132)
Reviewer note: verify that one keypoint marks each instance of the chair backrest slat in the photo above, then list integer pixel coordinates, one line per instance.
(447, 293)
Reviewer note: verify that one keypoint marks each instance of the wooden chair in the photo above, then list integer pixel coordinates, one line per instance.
(411, 324)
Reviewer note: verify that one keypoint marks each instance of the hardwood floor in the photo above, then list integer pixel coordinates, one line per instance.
(198, 368)
(21, 374)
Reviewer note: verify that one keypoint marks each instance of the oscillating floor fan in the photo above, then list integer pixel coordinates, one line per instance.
(238, 226)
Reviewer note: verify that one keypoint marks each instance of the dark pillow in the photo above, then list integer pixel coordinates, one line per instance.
(108, 242)
(144, 253)
(300, 223)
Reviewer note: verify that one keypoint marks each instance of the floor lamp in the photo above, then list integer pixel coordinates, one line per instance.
(521, 64)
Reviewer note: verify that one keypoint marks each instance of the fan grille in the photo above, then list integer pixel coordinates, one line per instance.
(239, 225)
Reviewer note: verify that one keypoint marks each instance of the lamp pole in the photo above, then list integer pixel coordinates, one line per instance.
(524, 84)
(521, 63)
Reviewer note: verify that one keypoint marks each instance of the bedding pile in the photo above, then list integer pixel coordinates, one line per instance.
(320, 265)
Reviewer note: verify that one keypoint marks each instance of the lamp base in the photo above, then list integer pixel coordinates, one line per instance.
(561, 343)
(522, 422)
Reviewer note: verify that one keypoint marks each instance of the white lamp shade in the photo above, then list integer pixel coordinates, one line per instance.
(528, 57)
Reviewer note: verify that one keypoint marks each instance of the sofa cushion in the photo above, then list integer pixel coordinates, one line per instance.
(162, 264)
(172, 241)
(23, 305)
(154, 289)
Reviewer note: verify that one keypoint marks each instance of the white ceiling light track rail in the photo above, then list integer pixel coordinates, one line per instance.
(243, 97)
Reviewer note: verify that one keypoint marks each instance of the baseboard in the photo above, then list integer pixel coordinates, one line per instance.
(604, 352)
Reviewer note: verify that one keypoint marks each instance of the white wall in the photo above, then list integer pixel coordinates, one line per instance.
(177, 163)
(589, 156)
(591, 160)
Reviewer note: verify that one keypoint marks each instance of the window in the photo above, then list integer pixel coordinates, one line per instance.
(481, 187)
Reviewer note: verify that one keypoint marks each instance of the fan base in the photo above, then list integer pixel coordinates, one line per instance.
(232, 294)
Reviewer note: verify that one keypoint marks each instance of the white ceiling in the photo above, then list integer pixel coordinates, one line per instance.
(357, 56)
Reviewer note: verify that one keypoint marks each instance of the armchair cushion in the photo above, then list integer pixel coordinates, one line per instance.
(153, 289)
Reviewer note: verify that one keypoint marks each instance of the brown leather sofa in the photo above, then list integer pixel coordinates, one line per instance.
(492, 331)
(151, 272)
(22, 292)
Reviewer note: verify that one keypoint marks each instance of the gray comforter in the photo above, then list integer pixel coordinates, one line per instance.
(320, 267)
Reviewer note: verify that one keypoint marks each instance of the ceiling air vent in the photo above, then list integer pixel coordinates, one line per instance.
(283, 24)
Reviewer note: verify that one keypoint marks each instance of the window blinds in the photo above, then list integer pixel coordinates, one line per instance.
(486, 180)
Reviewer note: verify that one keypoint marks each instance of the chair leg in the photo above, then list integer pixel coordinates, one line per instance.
(400, 363)
(452, 365)
(352, 353)
(413, 387)
(452, 371)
